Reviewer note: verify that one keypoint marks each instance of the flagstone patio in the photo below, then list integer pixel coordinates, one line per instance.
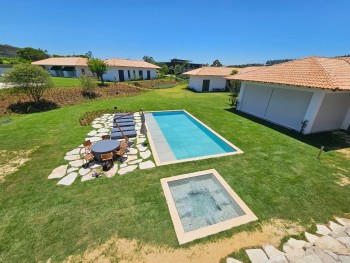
(139, 155)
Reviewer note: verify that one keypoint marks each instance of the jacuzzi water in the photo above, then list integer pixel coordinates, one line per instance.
(202, 201)
(187, 137)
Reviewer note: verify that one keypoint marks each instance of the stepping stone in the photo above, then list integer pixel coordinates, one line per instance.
(136, 161)
(127, 169)
(345, 241)
(58, 172)
(277, 259)
(95, 165)
(331, 244)
(84, 171)
(123, 165)
(72, 169)
(102, 130)
(72, 157)
(141, 140)
(97, 126)
(87, 177)
(145, 154)
(341, 232)
(322, 255)
(232, 260)
(311, 238)
(295, 255)
(344, 259)
(147, 165)
(256, 255)
(133, 151)
(73, 152)
(292, 244)
(141, 148)
(101, 134)
(76, 163)
(112, 171)
(334, 226)
(131, 158)
(92, 133)
(343, 221)
(271, 251)
(93, 139)
(312, 258)
(322, 230)
(69, 179)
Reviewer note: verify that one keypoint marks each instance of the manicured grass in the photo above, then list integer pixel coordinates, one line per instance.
(66, 82)
(278, 176)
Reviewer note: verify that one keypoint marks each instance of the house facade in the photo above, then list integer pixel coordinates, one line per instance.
(208, 79)
(175, 61)
(68, 67)
(123, 70)
(308, 95)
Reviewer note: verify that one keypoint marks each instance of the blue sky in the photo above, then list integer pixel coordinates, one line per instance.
(233, 31)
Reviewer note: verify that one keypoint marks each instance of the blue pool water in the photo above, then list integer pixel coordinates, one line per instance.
(188, 138)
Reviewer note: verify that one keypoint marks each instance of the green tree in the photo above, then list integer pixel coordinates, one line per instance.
(216, 63)
(165, 69)
(178, 69)
(234, 86)
(32, 54)
(99, 67)
(29, 79)
(149, 59)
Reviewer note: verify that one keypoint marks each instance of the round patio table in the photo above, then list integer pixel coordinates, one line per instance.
(105, 146)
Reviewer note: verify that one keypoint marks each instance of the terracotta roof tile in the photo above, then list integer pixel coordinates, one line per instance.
(64, 61)
(217, 71)
(117, 62)
(312, 72)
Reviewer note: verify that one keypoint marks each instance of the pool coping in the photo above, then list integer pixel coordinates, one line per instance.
(185, 237)
(156, 156)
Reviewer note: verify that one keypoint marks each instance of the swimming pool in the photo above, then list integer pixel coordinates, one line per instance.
(177, 136)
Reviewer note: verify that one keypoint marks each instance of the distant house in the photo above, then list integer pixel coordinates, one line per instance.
(69, 67)
(310, 94)
(175, 61)
(118, 69)
(212, 78)
(125, 69)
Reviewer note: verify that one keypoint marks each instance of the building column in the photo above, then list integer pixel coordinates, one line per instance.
(314, 106)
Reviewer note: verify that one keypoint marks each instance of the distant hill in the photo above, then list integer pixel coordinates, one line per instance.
(7, 51)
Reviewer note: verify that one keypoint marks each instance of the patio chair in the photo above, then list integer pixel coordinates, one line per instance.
(88, 157)
(122, 151)
(106, 137)
(87, 145)
(107, 161)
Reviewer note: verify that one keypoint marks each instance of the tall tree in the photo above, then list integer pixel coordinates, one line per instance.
(29, 79)
(149, 59)
(32, 54)
(99, 67)
(216, 63)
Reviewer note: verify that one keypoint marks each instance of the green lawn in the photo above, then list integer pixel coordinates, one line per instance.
(65, 82)
(278, 176)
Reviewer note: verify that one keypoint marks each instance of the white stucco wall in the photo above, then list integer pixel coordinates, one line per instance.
(113, 75)
(196, 82)
(326, 110)
(65, 74)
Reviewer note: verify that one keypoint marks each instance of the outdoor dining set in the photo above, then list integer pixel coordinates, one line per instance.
(110, 148)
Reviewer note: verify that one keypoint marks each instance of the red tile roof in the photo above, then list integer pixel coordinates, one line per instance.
(64, 61)
(117, 62)
(217, 71)
(312, 72)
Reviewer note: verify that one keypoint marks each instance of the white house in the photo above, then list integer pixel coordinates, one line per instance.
(312, 92)
(211, 78)
(125, 69)
(69, 67)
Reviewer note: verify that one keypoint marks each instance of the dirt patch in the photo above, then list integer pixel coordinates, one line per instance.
(342, 179)
(124, 250)
(10, 161)
(345, 152)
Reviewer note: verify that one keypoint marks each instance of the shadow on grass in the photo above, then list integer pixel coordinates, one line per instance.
(329, 140)
(31, 107)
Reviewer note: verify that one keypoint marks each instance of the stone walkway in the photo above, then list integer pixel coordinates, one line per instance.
(330, 244)
(138, 156)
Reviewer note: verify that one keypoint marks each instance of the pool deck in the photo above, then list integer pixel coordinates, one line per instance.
(162, 152)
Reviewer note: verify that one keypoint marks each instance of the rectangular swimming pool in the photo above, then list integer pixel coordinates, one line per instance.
(177, 136)
(203, 204)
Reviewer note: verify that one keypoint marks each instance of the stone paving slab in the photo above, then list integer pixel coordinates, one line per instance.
(311, 238)
(58, 172)
(147, 165)
(127, 169)
(322, 230)
(146, 154)
(334, 226)
(271, 251)
(72, 157)
(256, 255)
(68, 179)
(73, 152)
(343, 221)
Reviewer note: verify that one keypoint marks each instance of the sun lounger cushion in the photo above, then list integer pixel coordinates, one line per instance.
(127, 128)
(124, 124)
(119, 135)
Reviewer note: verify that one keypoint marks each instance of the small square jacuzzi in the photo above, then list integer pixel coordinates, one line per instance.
(202, 204)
